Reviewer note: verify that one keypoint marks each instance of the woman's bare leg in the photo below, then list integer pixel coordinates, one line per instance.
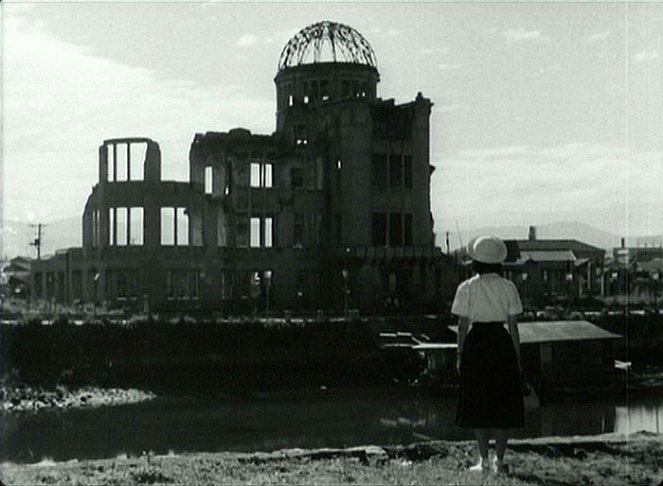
(482, 439)
(501, 438)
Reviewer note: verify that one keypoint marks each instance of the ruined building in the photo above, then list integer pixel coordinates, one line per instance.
(330, 211)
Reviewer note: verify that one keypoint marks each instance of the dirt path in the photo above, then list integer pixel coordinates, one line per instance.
(601, 460)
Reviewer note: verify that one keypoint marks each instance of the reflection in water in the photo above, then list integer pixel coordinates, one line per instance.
(335, 418)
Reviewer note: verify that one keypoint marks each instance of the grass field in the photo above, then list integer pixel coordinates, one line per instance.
(601, 460)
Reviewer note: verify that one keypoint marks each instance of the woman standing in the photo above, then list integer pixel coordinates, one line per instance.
(488, 360)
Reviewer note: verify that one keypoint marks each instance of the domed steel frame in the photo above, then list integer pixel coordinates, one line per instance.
(346, 44)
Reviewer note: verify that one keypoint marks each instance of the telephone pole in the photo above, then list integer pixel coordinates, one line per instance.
(37, 241)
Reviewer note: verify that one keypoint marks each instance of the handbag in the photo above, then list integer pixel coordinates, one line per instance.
(530, 399)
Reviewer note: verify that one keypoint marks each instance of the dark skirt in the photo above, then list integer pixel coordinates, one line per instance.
(490, 393)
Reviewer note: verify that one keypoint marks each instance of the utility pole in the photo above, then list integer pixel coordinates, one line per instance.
(447, 240)
(37, 242)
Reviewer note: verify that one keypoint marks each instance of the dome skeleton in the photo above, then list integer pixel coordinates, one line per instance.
(346, 44)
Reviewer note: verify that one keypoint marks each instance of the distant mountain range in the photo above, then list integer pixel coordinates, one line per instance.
(559, 230)
(65, 233)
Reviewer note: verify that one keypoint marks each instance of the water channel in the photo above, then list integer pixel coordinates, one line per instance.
(322, 418)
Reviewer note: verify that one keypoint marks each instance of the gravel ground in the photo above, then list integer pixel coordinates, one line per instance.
(601, 460)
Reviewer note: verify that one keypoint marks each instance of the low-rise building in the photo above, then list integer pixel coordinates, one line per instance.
(554, 270)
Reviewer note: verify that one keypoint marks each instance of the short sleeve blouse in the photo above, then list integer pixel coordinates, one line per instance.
(487, 298)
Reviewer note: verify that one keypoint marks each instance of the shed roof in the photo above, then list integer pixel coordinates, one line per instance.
(558, 244)
(548, 255)
(556, 331)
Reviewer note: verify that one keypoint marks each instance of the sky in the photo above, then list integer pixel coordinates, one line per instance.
(542, 111)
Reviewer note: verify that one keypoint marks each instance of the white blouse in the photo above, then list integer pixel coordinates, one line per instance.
(487, 298)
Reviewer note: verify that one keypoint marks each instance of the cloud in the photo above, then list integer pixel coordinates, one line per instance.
(598, 36)
(79, 100)
(448, 67)
(645, 56)
(452, 108)
(379, 32)
(521, 35)
(429, 51)
(247, 40)
(572, 177)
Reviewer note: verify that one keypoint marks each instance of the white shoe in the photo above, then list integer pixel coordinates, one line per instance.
(500, 467)
(482, 467)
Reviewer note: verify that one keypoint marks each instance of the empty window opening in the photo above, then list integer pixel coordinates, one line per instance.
(167, 226)
(300, 134)
(314, 91)
(379, 169)
(209, 173)
(319, 228)
(395, 171)
(118, 225)
(121, 226)
(255, 174)
(268, 232)
(111, 226)
(296, 177)
(221, 229)
(395, 229)
(339, 164)
(182, 284)
(110, 160)
(407, 172)
(242, 234)
(267, 175)
(392, 282)
(226, 284)
(298, 231)
(319, 173)
(306, 99)
(379, 229)
(196, 227)
(408, 229)
(255, 232)
(324, 90)
(137, 153)
(96, 228)
(242, 175)
(345, 89)
(261, 174)
(136, 226)
(291, 100)
(121, 162)
(182, 222)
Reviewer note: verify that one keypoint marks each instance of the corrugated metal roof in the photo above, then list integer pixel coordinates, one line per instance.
(548, 255)
(557, 331)
(557, 244)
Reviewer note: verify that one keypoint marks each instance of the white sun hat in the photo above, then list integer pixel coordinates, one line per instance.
(487, 249)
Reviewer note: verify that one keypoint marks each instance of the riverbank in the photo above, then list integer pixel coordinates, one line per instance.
(26, 398)
(606, 459)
